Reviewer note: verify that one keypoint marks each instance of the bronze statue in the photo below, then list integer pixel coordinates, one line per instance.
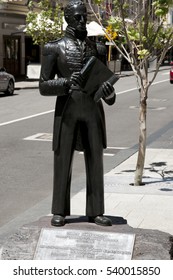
(79, 122)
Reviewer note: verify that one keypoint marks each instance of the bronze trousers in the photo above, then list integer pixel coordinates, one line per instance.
(80, 113)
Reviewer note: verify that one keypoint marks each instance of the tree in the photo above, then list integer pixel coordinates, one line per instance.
(44, 21)
(142, 30)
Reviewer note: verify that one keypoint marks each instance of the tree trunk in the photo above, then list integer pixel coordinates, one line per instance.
(142, 139)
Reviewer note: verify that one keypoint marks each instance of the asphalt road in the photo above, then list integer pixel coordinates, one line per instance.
(26, 158)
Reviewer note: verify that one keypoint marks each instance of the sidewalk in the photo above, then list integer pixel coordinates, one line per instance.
(26, 84)
(149, 206)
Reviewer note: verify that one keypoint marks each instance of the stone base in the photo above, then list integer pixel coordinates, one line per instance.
(149, 244)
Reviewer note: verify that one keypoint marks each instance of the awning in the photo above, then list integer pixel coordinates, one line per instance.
(95, 29)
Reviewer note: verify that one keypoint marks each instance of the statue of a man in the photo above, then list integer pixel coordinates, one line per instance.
(79, 122)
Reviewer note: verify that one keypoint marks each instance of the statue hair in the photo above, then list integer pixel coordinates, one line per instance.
(68, 9)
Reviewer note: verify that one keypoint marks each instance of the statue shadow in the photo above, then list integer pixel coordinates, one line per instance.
(84, 219)
(156, 168)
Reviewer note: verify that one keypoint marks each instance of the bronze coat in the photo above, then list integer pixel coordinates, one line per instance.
(60, 59)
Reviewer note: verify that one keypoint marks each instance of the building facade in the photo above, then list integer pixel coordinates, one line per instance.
(17, 49)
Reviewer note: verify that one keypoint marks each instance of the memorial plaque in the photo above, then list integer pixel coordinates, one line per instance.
(57, 244)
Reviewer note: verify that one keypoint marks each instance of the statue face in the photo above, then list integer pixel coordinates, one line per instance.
(78, 18)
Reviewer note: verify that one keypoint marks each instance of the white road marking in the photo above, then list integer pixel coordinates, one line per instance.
(117, 148)
(40, 137)
(26, 118)
(167, 73)
(155, 83)
(128, 90)
(149, 108)
(105, 154)
(48, 137)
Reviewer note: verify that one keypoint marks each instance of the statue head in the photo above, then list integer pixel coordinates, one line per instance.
(76, 17)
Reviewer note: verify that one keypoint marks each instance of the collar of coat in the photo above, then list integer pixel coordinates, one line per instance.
(70, 32)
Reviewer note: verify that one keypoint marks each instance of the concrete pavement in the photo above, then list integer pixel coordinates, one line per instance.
(26, 84)
(149, 206)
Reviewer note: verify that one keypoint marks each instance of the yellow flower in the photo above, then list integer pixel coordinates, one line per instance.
(110, 34)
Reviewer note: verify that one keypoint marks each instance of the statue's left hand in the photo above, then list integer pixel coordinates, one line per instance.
(107, 89)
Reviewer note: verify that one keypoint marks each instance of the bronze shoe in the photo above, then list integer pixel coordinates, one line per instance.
(100, 220)
(58, 221)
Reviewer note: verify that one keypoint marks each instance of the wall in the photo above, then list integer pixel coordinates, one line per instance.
(12, 22)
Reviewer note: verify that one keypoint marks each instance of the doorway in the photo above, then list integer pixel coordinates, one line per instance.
(12, 54)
